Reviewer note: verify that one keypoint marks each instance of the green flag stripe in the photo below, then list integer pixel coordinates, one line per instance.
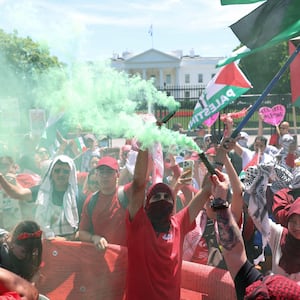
(289, 24)
(266, 21)
(216, 103)
(291, 32)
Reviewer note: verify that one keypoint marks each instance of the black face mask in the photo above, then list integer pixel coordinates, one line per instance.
(159, 213)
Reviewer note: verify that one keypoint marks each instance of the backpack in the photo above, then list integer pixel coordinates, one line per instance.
(123, 200)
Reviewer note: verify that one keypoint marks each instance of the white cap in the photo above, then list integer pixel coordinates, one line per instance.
(207, 136)
(244, 135)
(243, 140)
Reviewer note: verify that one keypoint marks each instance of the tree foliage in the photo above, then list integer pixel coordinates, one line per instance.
(261, 67)
(24, 55)
(22, 61)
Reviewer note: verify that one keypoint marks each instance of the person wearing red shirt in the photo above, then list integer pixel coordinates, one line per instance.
(103, 221)
(155, 236)
(13, 286)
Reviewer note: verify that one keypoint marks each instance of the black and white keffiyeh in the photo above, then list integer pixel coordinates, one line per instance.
(295, 182)
(281, 178)
(257, 179)
(256, 182)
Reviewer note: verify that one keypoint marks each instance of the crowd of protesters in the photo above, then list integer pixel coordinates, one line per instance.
(109, 195)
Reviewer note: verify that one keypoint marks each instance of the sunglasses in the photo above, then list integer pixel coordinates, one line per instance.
(105, 171)
(63, 171)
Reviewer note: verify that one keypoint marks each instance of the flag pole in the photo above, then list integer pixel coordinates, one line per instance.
(265, 93)
(150, 31)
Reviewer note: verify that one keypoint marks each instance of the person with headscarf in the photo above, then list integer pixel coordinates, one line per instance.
(155, 236)
(249, 282)
(283, 198)
(55, 198)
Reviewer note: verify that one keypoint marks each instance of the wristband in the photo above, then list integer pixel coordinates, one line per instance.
(219, 203)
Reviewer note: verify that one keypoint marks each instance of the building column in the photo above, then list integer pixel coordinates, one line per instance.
(177, 76)
(144, 74)
(161, 78)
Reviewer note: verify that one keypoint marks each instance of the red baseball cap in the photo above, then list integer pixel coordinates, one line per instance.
(159, 187)
(194, 156)
(109, 162)
(211, 151)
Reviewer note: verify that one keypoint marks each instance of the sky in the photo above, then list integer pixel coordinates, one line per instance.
(96, 29)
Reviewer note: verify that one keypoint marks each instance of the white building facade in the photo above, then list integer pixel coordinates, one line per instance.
(168, 69)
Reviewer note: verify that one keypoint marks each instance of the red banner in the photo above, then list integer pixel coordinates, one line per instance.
(77, 271)
(295, 75)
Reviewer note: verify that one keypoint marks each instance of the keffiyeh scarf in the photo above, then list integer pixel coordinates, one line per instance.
(256, 181)
(70, 213)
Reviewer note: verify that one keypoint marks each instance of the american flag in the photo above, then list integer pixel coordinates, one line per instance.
(150, 31)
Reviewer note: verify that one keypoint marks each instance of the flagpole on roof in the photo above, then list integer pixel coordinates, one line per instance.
(265, 93)
(150, 31)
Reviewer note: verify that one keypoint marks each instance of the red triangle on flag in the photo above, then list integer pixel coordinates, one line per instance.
(232, 75)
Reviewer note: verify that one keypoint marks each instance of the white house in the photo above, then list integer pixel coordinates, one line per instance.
(168, 69)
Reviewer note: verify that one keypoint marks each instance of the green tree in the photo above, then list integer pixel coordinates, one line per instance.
(22, 62)
(261, 67)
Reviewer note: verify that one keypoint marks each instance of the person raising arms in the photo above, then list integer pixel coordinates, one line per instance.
(155, 236)
(249, 282)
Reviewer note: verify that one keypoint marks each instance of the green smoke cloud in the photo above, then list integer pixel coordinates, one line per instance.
(106, 101)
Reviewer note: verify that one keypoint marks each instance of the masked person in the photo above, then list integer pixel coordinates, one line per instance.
(155, 236)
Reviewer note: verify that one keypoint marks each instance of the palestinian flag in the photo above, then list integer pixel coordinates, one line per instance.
(225, 87)
(269, 24)
(295, 73)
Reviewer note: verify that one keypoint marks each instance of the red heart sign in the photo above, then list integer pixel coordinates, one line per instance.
(211, 120)
(274, 115)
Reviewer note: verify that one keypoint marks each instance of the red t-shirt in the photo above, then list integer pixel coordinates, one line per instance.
(282, 202)
(274, 140)
(154, 261)
(8, 295)
(108, 217)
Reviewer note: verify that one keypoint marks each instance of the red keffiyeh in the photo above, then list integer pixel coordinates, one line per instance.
(290, 246)
(273, 287)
